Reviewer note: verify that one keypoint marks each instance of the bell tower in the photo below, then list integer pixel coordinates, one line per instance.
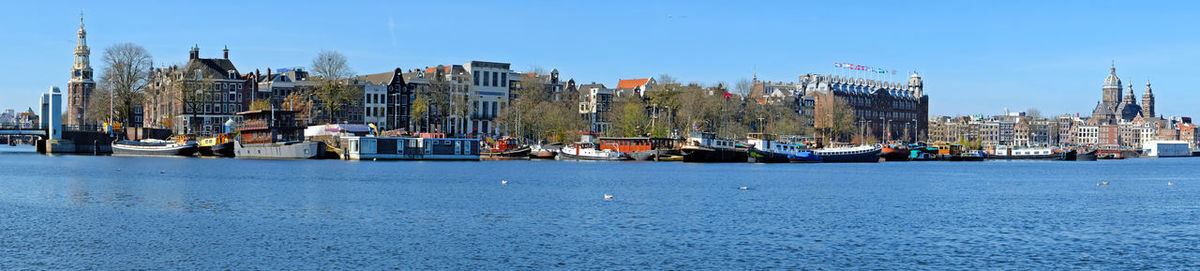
(1148, 101)
(79, 89)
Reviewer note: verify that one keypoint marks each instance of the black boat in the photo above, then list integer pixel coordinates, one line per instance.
(153, 147)
(706, 147)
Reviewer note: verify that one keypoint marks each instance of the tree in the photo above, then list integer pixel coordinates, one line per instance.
(630, 117)
(126, 75)
(333, 90)
(833, 116)
(98, 110)
(743, 86)
(260, 104)
(190, 90)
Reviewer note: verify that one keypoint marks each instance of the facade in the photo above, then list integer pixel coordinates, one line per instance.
(595, 103)
(450, 85)
(489, 93)
(553, 87)
(888, 110)
(386, 100)
(80, 88)
(199, 97)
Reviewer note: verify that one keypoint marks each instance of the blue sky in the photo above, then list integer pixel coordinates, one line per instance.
(975, 56)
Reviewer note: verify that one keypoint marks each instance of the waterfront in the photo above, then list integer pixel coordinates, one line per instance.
(99, 212)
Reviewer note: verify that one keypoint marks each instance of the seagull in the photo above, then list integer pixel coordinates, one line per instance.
(1170, 183)
(162, 172)
(608, 196)
(743, 188)
(503, 181)
(1104, 183)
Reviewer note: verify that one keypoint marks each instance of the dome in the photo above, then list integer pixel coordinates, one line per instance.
(1112, 81)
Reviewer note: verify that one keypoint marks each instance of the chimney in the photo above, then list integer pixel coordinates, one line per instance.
(268, 73)
(195, 52)
(226, 51)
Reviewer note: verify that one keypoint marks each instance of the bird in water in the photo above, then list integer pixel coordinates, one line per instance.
(608, 196)
(1170, 183)
(162, 172)
(1104, 183)
(743, 188)
(503, 181)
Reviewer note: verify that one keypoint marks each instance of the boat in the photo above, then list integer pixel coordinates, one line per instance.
(864, 153)
(707, 147)
(892, 153)
(1087, 156)
(153, 147)
(427, 147)
(220, 145)
(504, 148)
(765, 149)
(544, 151)
(589, 151)
(919, 155)
(1008, 153)
(640, 148)
(274, 134)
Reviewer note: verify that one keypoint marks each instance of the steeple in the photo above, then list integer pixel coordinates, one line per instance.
(81, 71)
(1148, 101)
(1111, 93)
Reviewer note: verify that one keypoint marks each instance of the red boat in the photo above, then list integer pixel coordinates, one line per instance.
(505, 148)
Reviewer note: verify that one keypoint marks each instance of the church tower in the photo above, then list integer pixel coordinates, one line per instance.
(916, 85)
(1112, 88)
(79, 89)
(1148, 102)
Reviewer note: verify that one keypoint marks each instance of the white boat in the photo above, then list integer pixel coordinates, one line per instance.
(410, 148)
(153, 147)
(764, 149)
(1010, 153)
(588, 151)
(863, 153)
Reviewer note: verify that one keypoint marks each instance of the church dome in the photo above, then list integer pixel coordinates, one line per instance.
(1112, 81)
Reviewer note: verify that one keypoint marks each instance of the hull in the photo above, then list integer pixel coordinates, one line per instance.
(761, 156)
(222, 150)
(521, 152)
(714, 156)
(568, 156)
(652, 155)
(893, 155)
(297, 150)
(871, 156)
(1064, 156)
(1087, 156)
(129, 149)
(542, 154)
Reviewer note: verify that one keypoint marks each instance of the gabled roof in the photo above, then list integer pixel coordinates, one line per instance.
(384, 78)
(632, 83)
(215, 67)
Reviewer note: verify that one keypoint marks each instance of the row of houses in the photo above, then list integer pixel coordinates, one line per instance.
(1020, 130)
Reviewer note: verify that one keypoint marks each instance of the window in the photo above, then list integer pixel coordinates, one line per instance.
(494, 81)
(476, 74)
(494, 109)
(217, 108)
(485, 78)
(485, 109)
(504, 79)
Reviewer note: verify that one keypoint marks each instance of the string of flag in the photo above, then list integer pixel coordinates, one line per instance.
(870, 69)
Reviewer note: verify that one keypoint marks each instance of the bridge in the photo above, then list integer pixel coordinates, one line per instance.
(13, 130)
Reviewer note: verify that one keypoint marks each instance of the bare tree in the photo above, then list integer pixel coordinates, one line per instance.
(333, 91)
(126, 74)
(743, 86)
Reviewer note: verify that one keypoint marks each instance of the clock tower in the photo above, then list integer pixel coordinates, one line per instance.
(79, 89)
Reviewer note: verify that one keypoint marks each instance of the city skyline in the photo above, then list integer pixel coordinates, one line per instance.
(979, 59)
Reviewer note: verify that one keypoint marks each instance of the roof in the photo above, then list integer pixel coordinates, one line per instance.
(217, 67)
(378, 78)
(632, 83)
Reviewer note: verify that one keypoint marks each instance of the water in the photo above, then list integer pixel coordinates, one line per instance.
(86, 212)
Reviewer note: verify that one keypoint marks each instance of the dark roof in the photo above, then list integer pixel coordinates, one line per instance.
(215, 67)
(381, 78)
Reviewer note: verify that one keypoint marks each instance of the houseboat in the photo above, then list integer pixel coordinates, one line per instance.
(153, 147)
(893, 153)
(504, 148)
(765, 149)
(1009, 153)
(432, 147)
(544, 151)
(640, 148)
(864, 153)
(274, 134)
(707, 147)
(220, 145)
(589, 151)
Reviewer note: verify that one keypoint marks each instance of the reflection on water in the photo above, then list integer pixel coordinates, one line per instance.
(81, 212)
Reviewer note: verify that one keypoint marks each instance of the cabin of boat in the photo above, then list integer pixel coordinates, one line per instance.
(707, 147)
(433, 147)
(505, 147)
(1009, 153)
(635, 144)
(274, 134)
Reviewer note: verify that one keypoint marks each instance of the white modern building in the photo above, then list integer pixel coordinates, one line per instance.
(488, 95)
(1166, 148)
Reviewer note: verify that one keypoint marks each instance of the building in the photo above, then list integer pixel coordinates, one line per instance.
(447, 88)
(80, 88)
(553, 87)
(489, 93)
(886, 110)
(634, 86)
(595, 101)
(386, 99)
(28, 119)
(1113, 108)
(199, 97)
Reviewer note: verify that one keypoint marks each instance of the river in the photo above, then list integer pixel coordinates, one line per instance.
(99, 212)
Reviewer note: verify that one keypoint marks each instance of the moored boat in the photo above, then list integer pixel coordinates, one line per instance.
(428, 147)
(640, 148)
(274, 134)
(1008, 153)
(153, 147)
(504, 148)
(765, 149)
(589, 151)
(864, 153)
(707, 147)
(220, 145)
(892, 153)
(544, 151)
